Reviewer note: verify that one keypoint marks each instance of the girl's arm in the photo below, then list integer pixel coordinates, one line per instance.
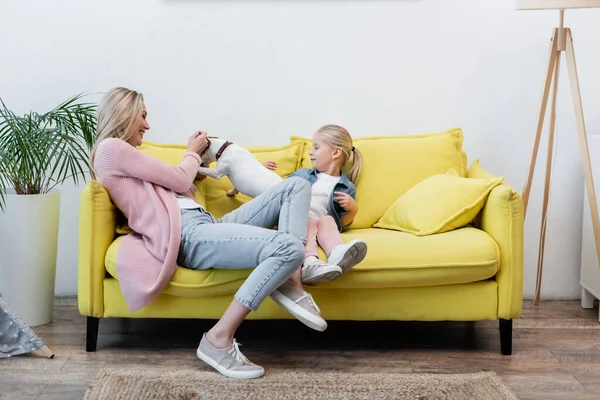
(349, 203)
(115, 157)
(348, 217)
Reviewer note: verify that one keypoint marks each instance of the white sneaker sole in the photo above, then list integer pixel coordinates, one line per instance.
(224, 371)
(324, 274)
(308, 319)
(357, 251)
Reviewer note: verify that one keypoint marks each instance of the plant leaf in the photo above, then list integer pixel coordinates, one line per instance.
(41, 151)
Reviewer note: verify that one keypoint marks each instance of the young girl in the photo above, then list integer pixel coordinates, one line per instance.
(332, 206)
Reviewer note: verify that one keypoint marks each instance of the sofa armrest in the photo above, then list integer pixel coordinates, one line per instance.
(502, 217)
(97, 227)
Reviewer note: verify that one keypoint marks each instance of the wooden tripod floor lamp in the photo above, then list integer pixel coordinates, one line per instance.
(562, 42)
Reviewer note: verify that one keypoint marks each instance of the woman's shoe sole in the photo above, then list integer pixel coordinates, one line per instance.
(301, 314)
(225, 371)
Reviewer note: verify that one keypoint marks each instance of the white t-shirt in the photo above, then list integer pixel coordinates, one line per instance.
(321, 190)
(186, 202)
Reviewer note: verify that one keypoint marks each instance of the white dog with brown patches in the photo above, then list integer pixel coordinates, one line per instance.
(245, 172)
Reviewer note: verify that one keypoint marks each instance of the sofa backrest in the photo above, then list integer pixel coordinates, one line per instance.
(210, 192)
(394, 164)
(391, 166)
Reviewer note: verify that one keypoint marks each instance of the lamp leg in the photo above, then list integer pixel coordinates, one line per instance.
(583, 144)
(538, 283)
(536, 144)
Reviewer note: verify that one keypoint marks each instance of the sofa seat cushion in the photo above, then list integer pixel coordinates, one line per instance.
(395, 259)
(187, 282)
(398, 259)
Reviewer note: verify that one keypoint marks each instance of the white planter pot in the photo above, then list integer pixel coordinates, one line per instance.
(28, 246)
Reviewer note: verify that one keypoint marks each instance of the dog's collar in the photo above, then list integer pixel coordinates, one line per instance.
(222, 149)
(219, 153)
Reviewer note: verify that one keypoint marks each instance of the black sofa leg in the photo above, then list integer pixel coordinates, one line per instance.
(92, 333)
(506, 336)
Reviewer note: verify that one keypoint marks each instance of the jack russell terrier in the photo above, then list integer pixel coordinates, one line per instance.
(245, 172)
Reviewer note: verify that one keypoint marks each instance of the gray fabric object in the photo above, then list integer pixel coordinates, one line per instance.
(15, 336)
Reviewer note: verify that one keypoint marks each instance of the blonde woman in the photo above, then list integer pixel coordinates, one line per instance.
(170, 228)
(332, 205)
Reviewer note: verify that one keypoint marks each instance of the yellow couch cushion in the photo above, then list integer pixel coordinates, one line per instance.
(399, 259)
(476, 170)
(394, 164)
(395, 259)
(186, 282)
(438, 204)
(287, 157)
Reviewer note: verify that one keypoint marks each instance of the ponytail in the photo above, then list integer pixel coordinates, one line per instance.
(356, 167)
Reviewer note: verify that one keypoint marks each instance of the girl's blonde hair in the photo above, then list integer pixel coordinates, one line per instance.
(338, 137)
(118, 114)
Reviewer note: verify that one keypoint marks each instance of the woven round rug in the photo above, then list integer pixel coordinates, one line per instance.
(187, 385)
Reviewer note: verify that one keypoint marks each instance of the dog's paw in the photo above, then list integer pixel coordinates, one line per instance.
(200, 177)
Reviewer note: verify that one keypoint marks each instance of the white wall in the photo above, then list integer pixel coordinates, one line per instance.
(257, 72)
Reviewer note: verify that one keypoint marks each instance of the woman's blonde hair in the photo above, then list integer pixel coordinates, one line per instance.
(338, 137)
(118, 115)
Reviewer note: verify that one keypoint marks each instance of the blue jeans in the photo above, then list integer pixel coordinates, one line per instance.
(244, 238)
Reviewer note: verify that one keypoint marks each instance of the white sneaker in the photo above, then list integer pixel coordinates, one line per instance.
(348, 255)
(303, 308)
(229, 361)
(315, 271)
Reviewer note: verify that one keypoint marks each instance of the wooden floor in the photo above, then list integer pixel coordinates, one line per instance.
(556, 350)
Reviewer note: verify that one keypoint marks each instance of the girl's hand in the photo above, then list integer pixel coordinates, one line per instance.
(272, 165)
(346, 201)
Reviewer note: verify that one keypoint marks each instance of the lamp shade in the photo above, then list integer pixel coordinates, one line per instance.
(556, 4)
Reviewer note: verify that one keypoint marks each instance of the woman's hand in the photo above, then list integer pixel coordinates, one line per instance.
(271, 165)
(346, 201)
(198, 142)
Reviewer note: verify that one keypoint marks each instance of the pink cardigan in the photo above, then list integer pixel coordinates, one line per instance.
(143, 188)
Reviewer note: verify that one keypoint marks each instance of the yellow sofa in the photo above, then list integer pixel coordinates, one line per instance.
(467, 274)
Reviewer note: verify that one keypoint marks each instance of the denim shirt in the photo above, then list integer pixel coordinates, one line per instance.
(344, 185)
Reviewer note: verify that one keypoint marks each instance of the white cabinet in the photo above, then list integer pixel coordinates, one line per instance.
(590, 269)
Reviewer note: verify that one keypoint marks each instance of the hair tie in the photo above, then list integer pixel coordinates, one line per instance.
(353, 148)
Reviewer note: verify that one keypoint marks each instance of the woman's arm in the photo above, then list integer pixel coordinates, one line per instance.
(115, 157)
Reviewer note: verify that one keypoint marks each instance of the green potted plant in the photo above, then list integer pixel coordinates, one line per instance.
(38, 152)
